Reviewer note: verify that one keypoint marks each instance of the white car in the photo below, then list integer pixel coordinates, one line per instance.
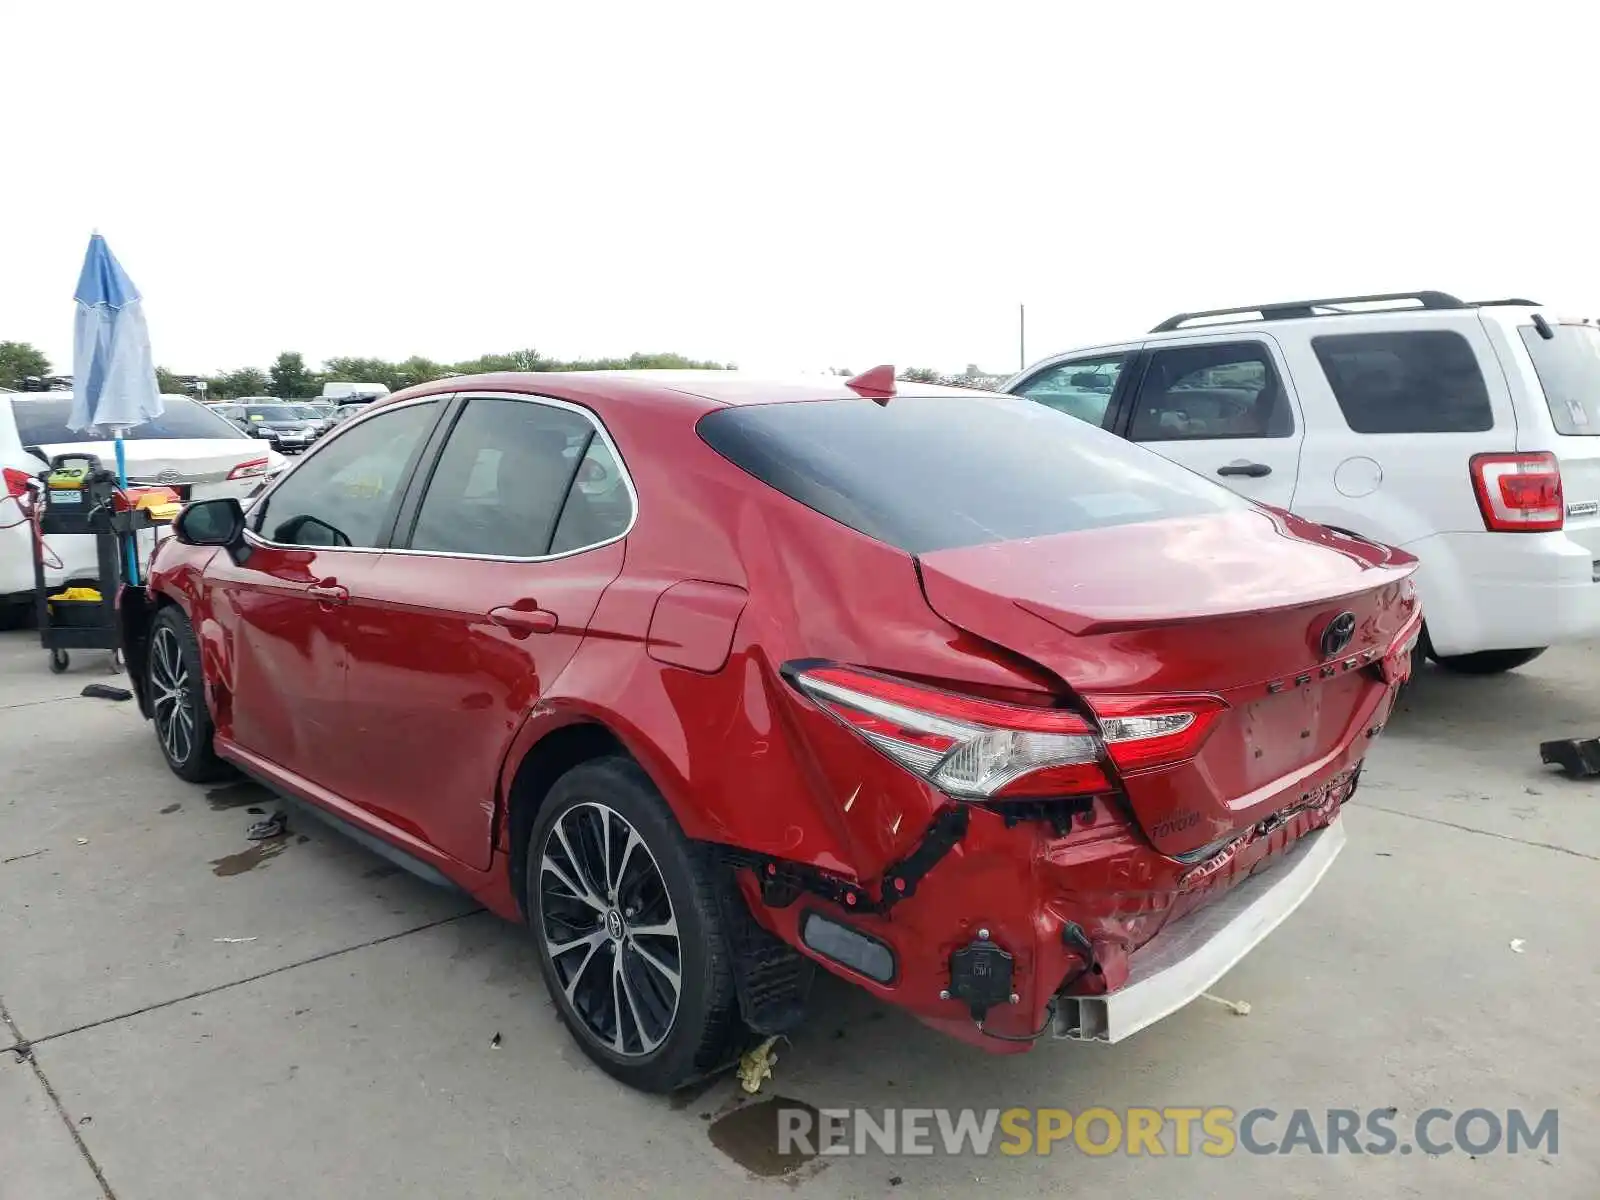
(188, 448)
(1465, 433)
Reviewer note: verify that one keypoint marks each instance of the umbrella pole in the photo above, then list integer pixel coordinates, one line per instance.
(122, 482)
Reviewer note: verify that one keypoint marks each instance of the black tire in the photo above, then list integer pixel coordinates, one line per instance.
(60, 660)
(1488, 662)
(703, 1032)
(179, 713)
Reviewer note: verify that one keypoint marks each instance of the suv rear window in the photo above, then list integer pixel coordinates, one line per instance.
(1408, 381)
(927, 473)
(1569, 372)
(44, 423)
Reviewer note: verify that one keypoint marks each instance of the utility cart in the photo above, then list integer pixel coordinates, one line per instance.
(80, 496)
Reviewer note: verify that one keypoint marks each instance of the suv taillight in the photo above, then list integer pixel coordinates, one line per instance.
(986, 750)
(1519, 492)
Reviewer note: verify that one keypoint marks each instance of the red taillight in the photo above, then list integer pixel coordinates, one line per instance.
(17, 482)
(1155, 731)
(248, 469)
(985, 749)
(1519, 492)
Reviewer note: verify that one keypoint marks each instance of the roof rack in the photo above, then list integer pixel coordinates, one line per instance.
(1512, 303)
(1293, 309)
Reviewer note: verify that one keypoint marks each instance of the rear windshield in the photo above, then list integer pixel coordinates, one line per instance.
(1569, 372)
(44, 423)
(931, 473)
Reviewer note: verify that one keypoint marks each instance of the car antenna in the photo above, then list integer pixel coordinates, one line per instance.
(876, 384)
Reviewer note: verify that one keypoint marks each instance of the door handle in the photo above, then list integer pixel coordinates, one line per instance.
(1253, 470)
(328, 592)
(523, 621)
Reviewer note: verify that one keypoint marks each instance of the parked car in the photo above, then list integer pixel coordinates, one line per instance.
(188, 448)
(1468, 434)
(287, 428)
(1014, 724)
(340, 391)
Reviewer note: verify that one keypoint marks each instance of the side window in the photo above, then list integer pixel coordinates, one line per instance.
(1230, 390)
(1082, 388)
(1409, 381)
(344, 494)
(515, 481)
(599, 507)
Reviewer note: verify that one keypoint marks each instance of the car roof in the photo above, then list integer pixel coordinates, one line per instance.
(695, 391)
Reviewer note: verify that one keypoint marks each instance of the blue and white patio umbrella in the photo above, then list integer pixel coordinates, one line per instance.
(114, 383)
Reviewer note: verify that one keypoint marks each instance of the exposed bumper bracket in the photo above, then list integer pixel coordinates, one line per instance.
(1196, 951)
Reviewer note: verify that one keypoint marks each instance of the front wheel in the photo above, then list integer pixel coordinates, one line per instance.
(625, 912)
(1488, 662)
(177, 700)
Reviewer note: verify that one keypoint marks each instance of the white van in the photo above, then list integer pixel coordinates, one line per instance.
(1466, 433)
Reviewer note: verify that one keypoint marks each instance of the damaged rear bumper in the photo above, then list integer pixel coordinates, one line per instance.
(1193, 953)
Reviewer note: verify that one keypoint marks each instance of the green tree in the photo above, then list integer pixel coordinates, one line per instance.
(18, 360)
(290, 378)
(246, 381)
(919, 375)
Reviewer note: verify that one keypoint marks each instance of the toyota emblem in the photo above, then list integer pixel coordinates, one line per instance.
(1338, 634)
(169, 476)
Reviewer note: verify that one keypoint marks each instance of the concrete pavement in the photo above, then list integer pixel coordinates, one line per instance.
(200, 1018)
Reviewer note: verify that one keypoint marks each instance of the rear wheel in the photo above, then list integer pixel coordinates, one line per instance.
(631, 942)
(1488, 662)
(177, 700)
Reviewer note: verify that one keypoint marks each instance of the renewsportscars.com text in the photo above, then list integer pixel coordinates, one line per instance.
(1179, 1132)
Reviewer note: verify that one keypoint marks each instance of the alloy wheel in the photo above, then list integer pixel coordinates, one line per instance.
(610, 930)
(170, 699)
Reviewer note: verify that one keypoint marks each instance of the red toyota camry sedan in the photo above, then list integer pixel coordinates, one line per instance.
(711, 680)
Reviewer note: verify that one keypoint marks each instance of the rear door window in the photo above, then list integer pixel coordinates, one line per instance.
(1228, 390)
(1082, 388)
(1568, 366)
(522, 479)
(1407, 381)
(928, 473)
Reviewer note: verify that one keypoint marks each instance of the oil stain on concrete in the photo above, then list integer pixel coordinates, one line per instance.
(248, 860)
(237, 795)
(748, 1134)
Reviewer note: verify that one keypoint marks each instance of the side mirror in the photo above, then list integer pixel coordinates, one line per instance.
(210, 523)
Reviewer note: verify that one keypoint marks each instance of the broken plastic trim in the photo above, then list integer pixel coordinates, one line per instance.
(783, 882)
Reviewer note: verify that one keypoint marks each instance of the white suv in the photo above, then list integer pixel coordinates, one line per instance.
(1466, 433)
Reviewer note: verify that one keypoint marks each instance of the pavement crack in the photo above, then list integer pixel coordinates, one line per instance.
(1504, 837)
(37, 703)
(233, 983)
(24, 1051)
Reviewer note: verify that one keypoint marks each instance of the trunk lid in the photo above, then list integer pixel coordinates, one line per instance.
(1235, 604)
(175, 461)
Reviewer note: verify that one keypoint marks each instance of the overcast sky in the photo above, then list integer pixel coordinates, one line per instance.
(839, 185)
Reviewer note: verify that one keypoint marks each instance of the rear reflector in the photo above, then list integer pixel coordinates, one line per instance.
(1519, 493)
(848, 947)
(983, 749)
